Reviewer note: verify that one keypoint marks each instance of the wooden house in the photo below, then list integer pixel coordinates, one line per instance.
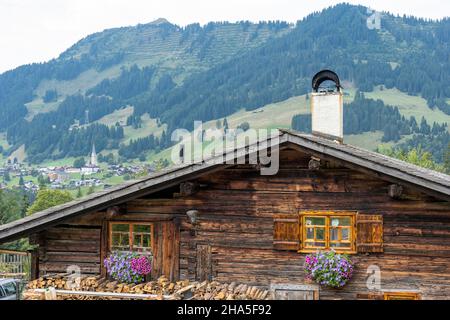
(228, 222)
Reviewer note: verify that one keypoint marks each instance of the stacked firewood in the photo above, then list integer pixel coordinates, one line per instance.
(223, 291)
(65, 282)
(159, 289)
(56, 281)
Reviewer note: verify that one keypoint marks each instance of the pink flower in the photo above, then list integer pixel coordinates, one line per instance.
(141, 265)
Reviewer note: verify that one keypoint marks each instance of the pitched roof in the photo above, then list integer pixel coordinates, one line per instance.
(429, 181)
(404, 171)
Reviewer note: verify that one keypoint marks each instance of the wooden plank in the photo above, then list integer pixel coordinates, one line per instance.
(204, 263)
(286, 232)
(14, 252)
(157, 251)
(73, 245)
(175, 263)
(369, 231)
(104, 245)
(34, 264)
(106, 294)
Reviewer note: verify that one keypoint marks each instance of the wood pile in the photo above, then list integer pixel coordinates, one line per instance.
(159, 289)
(223, 291)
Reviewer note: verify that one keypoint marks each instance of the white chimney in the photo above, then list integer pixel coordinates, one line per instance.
(327, 107)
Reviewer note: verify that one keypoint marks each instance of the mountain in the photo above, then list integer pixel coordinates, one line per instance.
(127, 88)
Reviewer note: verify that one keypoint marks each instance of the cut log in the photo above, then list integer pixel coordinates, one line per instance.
(98, 288)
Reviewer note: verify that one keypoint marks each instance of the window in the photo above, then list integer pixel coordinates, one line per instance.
(131, 237)
(327, 230)
(9, 288)
(342, 231)
(401, 296)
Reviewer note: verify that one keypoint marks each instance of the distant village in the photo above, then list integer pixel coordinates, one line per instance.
(62, 177)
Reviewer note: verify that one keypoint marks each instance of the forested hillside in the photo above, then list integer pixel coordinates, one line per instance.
(177, 75)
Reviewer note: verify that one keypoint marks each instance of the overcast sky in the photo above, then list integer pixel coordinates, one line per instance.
(38, 30)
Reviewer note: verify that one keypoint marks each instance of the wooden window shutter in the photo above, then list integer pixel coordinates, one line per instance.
(286, 232)
(369, 233)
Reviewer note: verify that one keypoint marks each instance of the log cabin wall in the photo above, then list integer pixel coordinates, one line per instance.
(70, 245)
(233, 239)
(77, 242)
(83, 242)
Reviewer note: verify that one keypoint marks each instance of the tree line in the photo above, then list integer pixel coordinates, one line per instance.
(274, 71)
(364, 115)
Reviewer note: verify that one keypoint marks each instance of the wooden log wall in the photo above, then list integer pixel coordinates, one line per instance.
(233, 238)
(68, 245)
(84, 242)
(235, 227)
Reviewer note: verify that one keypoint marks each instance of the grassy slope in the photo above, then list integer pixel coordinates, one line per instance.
(279, 115)
(149, 126)
(275, 115)
(409, 105)
(152, 45)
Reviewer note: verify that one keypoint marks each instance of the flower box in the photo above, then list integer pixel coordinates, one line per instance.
(329, 268)
(129, 267)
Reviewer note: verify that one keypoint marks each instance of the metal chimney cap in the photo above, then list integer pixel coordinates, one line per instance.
(325, 75)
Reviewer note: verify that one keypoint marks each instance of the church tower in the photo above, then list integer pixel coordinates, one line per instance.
(93, 161)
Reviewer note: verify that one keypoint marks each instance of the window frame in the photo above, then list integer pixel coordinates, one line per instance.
(328, 215)
(401, 294)
(130, 224)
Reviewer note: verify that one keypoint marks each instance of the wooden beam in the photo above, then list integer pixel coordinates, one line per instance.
(106, 294)
(34, 263)
(371, 168)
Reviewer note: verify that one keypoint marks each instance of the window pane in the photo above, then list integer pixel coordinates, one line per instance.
(121, 240)
(334, 234)
(320, 234)
(341, 221)
(142, 237)
(345, 233)
(315, 221)
(310, 233)
(141, 228)
(141, 240)
(120, 227)
(146, 241)
(120, 236)
(146, 246)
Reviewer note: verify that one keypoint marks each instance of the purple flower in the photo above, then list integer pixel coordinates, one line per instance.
(329, 268)
(127, 267)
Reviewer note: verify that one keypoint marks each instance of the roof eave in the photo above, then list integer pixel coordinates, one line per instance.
(427, 186)
(100, 201)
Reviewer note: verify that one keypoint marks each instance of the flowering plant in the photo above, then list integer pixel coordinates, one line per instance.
(130, 267)
(329, 268)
